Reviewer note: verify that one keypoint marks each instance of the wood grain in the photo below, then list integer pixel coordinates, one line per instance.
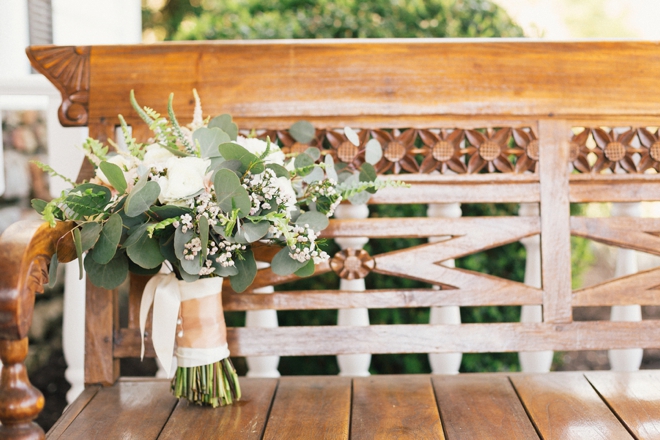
(386, 407)
(244, 419)
(310, 407)
(476, 406)
(71, 412)
(565, 406)
(639, 288)
(442, 77)
(101, 318)
(634, 397)
(640, 234)
(136, 409)
(555, 211)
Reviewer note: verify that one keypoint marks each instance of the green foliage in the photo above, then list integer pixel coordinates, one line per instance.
(259, 19)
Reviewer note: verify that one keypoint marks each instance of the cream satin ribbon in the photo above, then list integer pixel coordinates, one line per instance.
(166, 293)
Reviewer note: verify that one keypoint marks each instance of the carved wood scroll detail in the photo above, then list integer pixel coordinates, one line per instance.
(67, 67)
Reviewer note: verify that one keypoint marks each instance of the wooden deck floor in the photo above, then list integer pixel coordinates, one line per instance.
(591, 405)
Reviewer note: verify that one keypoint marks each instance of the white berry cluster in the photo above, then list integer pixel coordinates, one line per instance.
(304, 247)
(266, 192)
(324, 193)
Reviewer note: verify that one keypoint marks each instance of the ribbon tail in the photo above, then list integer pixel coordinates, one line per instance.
(145, 305)
(167, 302)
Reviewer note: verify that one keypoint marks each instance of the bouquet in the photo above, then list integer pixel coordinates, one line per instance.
(190, 206)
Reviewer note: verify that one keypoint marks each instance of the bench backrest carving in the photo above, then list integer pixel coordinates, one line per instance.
(462, 121)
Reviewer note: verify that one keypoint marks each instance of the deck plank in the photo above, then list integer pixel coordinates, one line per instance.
(474, 406)
(131, 409)
(634, 397)
(565, 406)
(72, 411)
(315, 407)
(394, 407)
(244, 419)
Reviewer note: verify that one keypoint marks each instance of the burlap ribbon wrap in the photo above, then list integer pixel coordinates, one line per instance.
(190, 314)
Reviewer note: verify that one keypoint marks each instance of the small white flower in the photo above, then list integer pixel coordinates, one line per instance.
(257, 147)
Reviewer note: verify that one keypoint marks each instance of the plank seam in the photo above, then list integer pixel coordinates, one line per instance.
(625, 425)
(176, 404)
(529, 415)
(57, 424)
(270, 408)
(350, 416)
(437, 405)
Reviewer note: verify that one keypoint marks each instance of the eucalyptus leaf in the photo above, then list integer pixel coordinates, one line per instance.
(225, 271)
(302, 131)
(360, 198)
(330, 170)
(232, 151)
(314, 220)
(38, 205)
(145, 252)
(225, 123)
(180, 240)
(373, 152)
(136, 234)
(144, 194)
(251, 232)
(368, 173)
(186, 276)
(115, 176)
(314, 153)
(315, 175)
(169, 211)
(77, 242)
(106, 246)
(52, 271)
(204, 235)
(279, 170)
(107, 276)
(209, 139)
(193, 266)
(352, 136)
(230, 194)
(303, 160)
(134, 268)
(307, 270)
(247, 270)
(166, 243)
(89, 233)
(283, 264)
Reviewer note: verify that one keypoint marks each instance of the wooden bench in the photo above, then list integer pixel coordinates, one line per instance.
(491, 90)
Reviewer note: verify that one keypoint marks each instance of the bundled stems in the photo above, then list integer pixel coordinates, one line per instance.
(214, 384)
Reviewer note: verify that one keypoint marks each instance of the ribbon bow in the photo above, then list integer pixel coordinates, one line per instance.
(163, 292)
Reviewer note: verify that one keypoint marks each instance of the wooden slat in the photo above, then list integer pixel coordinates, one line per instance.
(634, 397)
(310, 407)
(137, 409)
(507, 229)
(423, 338)
(555, 212)
(627, 232)
(243, 420)
(473, 193)
(386, 407)
(375, 299)
(72, 411)
(641, 288)
(480, 406)
(101, 317)
(614, 188)
(565, 406)
(441, 77)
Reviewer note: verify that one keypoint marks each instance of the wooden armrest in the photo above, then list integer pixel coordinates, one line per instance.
(26, 249)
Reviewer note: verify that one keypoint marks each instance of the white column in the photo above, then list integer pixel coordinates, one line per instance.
(262, 366)
(445, 363)
(353, 364)
(73, 330)
(626, 264)
(14, 37)
(533, 361)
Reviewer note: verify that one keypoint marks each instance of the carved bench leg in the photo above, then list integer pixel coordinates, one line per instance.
(20, 402)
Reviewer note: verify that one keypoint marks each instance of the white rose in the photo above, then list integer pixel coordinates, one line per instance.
(156, 155)
(184, 178)
(287, 193)
(257, 147)
(126, 164)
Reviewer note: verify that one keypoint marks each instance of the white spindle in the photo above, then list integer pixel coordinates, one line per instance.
(262, 366)
(626, 263)
(73, 331)
(353, 364)
(533, 361)
(445, 363)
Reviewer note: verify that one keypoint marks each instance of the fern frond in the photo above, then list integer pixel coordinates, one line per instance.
(177, 128)
(144, 116)
(52, 172)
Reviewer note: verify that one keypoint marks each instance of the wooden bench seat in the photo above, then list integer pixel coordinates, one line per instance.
(546, 124)
(506, 406)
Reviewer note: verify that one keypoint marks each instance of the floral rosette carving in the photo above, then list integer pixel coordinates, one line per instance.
(529, 158)
(398, 151)
(489, 150)
(443, 151)
(650, 155)
(613, 149)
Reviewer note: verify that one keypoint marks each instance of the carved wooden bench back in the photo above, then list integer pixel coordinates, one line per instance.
(520, 106)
